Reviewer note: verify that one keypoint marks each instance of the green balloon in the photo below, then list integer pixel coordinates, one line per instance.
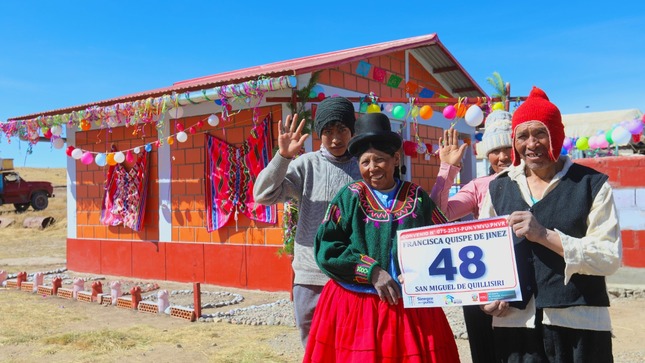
(608, 136)
(398, 111)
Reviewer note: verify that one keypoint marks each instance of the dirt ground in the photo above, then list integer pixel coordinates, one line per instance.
(168, 339)
(34, 328)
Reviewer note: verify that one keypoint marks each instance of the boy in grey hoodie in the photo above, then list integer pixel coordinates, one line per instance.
(312, 180)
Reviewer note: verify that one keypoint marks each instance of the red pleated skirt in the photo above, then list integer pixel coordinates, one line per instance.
(358, 327)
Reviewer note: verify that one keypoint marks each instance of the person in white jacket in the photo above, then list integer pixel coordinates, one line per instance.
(566, 239)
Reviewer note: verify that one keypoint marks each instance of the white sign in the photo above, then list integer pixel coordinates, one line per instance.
(464, 263)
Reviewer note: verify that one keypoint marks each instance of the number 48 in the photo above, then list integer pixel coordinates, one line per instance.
(469, 255)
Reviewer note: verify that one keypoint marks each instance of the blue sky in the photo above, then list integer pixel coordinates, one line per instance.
(56, 54)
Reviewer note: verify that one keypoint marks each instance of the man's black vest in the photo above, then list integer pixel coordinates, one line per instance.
(565, 208)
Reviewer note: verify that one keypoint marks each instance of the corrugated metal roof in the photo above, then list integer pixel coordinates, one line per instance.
(427, 49)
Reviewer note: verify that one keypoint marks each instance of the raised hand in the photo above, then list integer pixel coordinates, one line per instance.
(290, 138)
(449, 150)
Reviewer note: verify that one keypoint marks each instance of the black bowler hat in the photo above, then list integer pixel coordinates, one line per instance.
(374, 128)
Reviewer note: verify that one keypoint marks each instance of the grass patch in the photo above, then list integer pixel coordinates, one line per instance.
(102, 341)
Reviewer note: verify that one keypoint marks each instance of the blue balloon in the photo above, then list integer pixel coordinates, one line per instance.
(218, 102)
(479, 136)
(148, 147)
(564, 151)
(100, 159)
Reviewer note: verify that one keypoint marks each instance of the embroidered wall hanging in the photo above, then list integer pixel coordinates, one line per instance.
(124, 200)
(230, 174)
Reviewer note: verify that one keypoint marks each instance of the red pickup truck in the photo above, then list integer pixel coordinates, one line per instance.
(15, 190)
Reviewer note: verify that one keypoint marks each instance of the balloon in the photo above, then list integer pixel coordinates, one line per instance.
(148, 147)
(119, 157)
(373, 108)
(109, 159)
(567, 143)
(594, 142)
(414, 112)
(608, 137)
(498, 106)
(321, 96)
(182, 136)
(479, 136)
(213, 120)
(582, 143)
(389, 107)
(621, 136)
(58, 143)
(564, 151)
(449, 112)
(474, 116)
(87, 158)
(77, 153)
(398, 111)
(170, 140)
(100, 159)
(137, 150)
(85, 125)
(602, 142)
(179, 127)
(56, 130)
(192, 130)
(316, 90)
(634, 127)
(129, 156)
(69, 150)
(426, 112)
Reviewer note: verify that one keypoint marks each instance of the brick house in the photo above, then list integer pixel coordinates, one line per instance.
(173, 242)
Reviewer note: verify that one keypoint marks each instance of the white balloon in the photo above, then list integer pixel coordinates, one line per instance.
(77, 153)
(137, 150)
(474, 116)
(621, 136)
(182, 136)
(119, 157)
(213, 120)
(56, 130)
(58, 143)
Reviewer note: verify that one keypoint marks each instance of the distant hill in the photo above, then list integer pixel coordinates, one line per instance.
(56, 176)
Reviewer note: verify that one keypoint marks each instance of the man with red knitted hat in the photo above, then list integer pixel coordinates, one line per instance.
(567, 239)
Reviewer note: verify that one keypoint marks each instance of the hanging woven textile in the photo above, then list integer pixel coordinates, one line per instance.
(124, 200)
(230, 174)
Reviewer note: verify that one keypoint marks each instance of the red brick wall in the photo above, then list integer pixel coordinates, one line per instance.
(90, 184)
(626, 178)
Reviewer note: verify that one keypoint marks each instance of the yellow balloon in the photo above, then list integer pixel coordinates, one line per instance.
(498, 106)
(415, 111)
(373, 108)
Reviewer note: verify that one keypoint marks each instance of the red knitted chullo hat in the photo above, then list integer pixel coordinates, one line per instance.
(537, 107)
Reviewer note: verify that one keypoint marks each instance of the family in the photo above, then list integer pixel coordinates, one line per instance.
(352, 202)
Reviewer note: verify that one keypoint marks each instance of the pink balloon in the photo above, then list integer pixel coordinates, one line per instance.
(449, 112)
(87, 158)
(602, 141)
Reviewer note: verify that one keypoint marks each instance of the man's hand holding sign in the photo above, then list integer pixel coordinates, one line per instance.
(465, 263)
